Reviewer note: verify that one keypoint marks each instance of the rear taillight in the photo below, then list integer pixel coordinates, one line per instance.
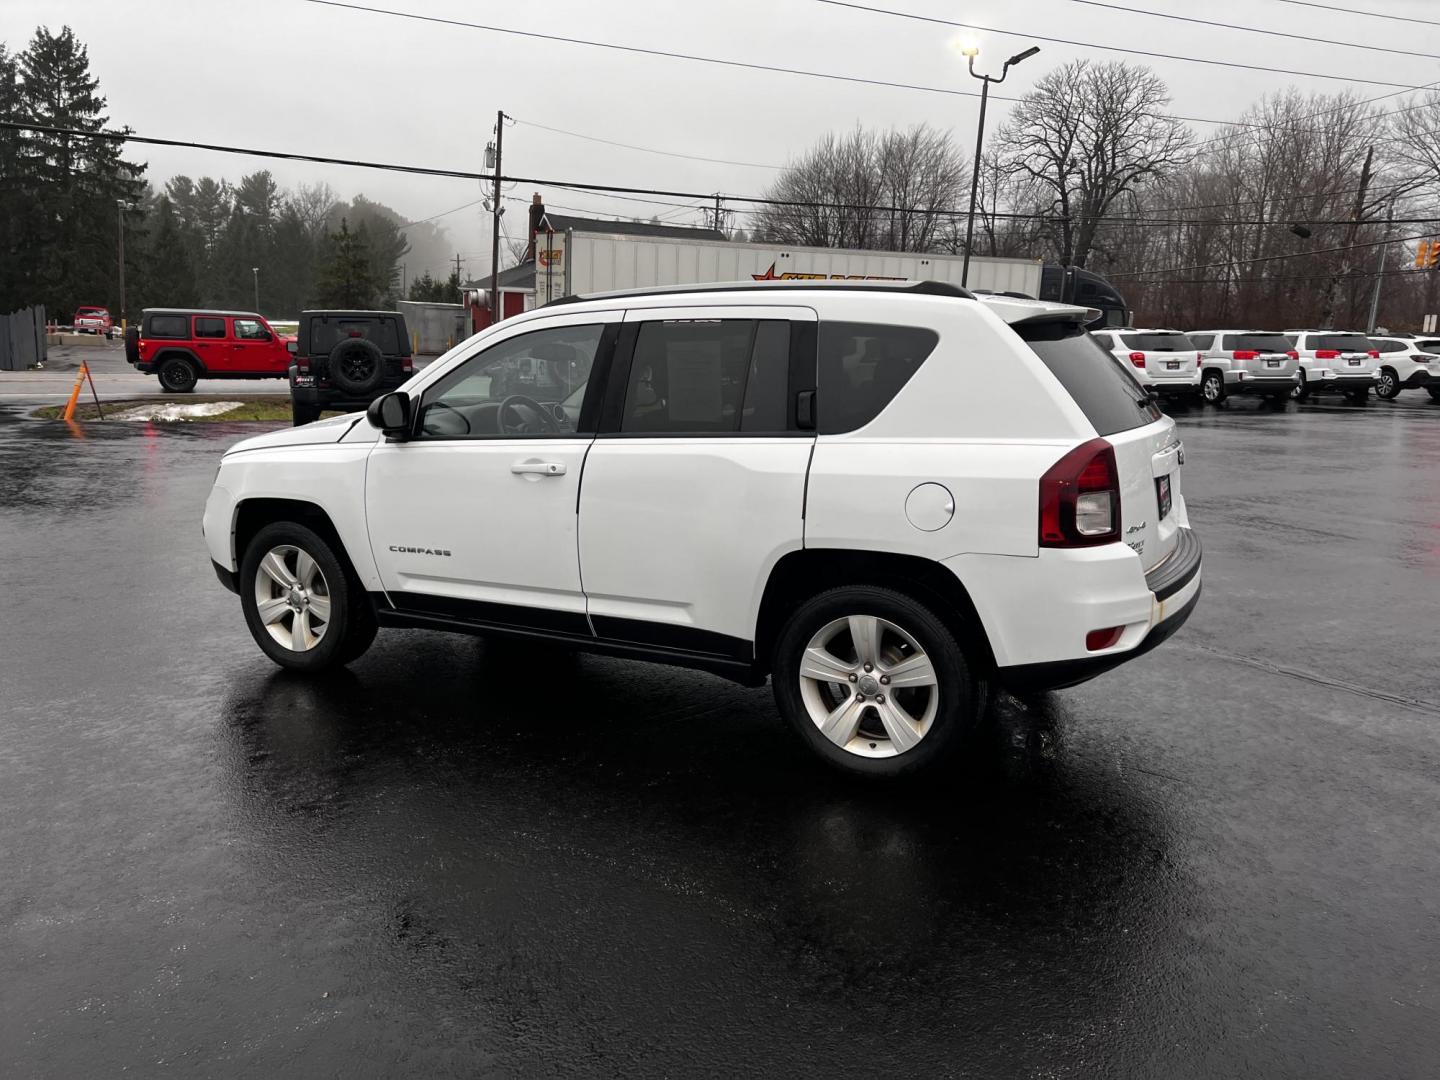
(1294, 355)
(1080, 498)
(1138, 359)
(1198, 357)
(1374, 354)
(1246, 354)
(1327, 354)
(407, 365)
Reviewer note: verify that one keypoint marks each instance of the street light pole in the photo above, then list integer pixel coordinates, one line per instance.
(255, 271)
(970, 52)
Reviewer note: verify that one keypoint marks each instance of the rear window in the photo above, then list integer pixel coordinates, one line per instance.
(1258, 342)
(325, 334)
(168, 326)
(1158, 342)
(1341, 342)
(1107, 394)
(862, 368)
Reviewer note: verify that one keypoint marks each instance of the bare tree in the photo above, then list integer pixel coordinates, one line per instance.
(1087, 135)
(893, 190)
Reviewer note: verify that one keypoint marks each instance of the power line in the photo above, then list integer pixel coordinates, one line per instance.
(443, 213)
(1367, 14)
(626, 192)
(647, 149)
(1254, 29)
(1095, 45)
(1267, 258)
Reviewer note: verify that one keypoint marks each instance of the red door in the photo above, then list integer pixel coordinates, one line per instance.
(256, 349)
(212, 343)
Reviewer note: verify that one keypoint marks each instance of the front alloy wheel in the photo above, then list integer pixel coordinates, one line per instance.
(292, 598)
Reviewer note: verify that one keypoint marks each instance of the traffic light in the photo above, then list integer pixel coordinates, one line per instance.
(1427, 255)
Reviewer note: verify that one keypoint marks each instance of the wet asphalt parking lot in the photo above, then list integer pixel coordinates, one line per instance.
(1220, 860)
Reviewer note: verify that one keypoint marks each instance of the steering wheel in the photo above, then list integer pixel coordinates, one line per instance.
(456, 412)
(547, 422)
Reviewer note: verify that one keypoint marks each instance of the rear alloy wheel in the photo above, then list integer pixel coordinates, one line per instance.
(177, 375)
(1212, 387)
(303, 609)
(873, 682)
(1387, 386)
(1302, 389)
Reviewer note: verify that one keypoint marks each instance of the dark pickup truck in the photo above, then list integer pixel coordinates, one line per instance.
(343, 360)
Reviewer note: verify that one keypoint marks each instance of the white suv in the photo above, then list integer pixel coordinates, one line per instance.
(1407, 363)
(884, 496)
(1245, 362)
(1334, 360)
(1165, 361)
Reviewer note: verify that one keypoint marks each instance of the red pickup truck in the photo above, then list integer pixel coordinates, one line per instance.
(181, 346)
(94, 320)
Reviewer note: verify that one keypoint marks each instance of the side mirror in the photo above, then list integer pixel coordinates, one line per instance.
(391, 414)
(292, 347)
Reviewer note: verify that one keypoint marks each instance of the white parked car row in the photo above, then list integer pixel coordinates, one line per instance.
(1215, 364)
(885, 498)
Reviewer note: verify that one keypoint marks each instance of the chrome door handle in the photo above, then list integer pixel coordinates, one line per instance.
(541, 468)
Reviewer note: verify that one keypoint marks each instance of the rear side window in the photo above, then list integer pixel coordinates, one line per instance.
(207, 327)
(1106, 393)
(1389, 345)
(708, 376)
(1158, 342)
(1202, 341)
(325, 334)
(1341, 342)
(1432, 345)
(1258, 342)
(864, 365)
(168, 326)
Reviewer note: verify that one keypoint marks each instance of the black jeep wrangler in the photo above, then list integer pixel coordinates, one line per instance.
(343, 360)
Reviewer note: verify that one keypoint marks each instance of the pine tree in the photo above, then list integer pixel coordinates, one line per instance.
(347, 277)
(75, 182)
(169, 278)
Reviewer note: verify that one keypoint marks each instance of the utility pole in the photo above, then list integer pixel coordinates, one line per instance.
(255, 272)
(404, 286)
(497, 211)
(1327, 313)
(1379, 271)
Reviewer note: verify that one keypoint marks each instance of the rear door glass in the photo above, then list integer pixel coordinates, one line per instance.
(1201, 341)
(1106, 393)
(1257, 342)
(1158, 342)
(209, 327)
(1389, 345)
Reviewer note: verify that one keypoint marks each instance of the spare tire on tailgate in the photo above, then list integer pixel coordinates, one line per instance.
(132, 344)
(357, 366)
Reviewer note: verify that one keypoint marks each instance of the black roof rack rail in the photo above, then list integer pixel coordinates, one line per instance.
(916, 288)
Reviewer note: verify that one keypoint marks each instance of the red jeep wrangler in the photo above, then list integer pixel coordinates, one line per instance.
(182, 346)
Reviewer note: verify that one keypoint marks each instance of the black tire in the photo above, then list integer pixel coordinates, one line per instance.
(1434, 392)
(1387, 386)
(960, 697)
(109, 335)
(351, 626)
(1302, 389)
(1212, 387)
(357, 366)
(1358, 397)
(303, 414)
(177, 375)
(132, 344)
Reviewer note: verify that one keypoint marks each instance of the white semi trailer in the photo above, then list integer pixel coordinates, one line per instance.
(578, 262)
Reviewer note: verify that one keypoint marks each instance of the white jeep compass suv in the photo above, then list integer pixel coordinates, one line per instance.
(884, 497)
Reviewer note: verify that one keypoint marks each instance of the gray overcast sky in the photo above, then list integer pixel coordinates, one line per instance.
(290, 75)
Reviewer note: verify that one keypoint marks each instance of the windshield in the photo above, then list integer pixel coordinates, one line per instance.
(1109, 396)
(1258, 342)
(1158, 342)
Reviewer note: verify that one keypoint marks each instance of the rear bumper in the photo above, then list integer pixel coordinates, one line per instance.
(1267, 385)
(1089, 595)
(1417, 379)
